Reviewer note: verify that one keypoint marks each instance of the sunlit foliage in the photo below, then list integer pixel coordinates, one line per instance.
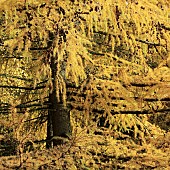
(112, 59)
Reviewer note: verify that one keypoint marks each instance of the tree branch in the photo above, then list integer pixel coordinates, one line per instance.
(104, 33)
(24, 88)
(127, 111)
(16, 77)
(28, 106)
(148, 42)
(165, 27)
(95, 53)
(14, 57)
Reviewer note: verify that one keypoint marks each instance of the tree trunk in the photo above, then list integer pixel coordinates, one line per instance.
(49, 131)
(58, 116)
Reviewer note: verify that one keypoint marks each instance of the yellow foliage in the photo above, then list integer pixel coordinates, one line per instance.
(115, 51)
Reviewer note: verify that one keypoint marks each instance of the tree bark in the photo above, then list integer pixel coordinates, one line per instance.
(58, 116)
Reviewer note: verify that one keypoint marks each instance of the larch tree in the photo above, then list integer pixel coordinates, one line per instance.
(109, 48)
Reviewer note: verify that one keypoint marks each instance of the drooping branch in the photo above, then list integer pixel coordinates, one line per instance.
(7, 110)
(16, 57)
(148, 42)
(36, 106)
(139, 40)
(164, 27)
(36, 118)
(95, 53)
(24, 88)
(15, 77)
(39, 109)
(35, 101)
(28, 106)
(105, 33)
(101, 111)
(39, 48)
(141, 84)
(165, 99)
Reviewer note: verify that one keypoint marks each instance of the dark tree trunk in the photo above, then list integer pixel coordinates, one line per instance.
(49, 131)
(58, 116)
